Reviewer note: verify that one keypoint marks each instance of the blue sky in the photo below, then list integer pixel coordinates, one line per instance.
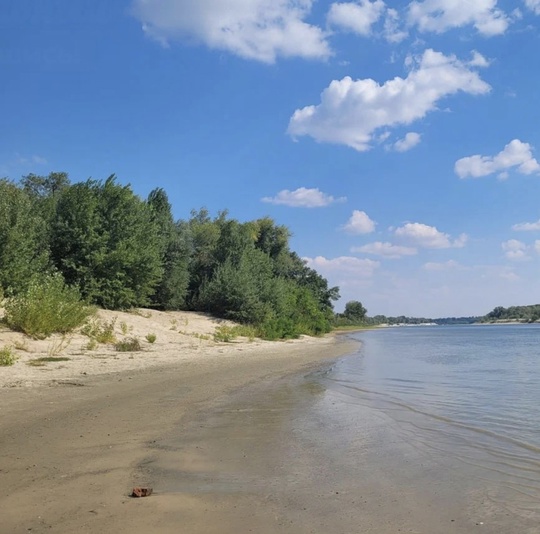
(398, 141)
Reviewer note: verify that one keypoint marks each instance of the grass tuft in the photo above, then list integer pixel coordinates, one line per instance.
(130, 344)
(7, 357)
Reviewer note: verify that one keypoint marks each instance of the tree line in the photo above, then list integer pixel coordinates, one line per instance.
(121, 251)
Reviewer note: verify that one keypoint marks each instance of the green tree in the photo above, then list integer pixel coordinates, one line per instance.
(354, 311)
(23, 249)
(175, 247)
(106, 242)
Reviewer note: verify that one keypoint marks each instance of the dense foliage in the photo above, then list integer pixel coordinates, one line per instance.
(99, 243)
(523, 314)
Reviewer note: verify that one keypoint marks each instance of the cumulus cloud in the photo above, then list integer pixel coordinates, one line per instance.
(409, 141)
(527, 227)
(424, 236)
(254, 29)
(386, 250)
(343, 266)
(533, 5)
(351, 111)
(357, 17)
(441, 15)
(303, 198)
(515, 250)
(442, 266)
(359, 223)
(515, 155)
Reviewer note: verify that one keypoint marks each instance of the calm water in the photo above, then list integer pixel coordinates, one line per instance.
(466, 395)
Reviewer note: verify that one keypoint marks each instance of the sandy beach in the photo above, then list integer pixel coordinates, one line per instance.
(77, 435)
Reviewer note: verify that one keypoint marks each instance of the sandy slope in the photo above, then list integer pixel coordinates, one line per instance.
(180, 336)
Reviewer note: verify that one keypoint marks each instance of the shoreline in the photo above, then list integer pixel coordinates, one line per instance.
(72, 452)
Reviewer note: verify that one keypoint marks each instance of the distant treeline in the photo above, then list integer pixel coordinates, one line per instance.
(122, 251)
(523, 314)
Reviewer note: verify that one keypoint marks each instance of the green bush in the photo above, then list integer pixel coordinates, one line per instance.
(47, 306)
(229, 333)
(151, 338)
(100, 331)
(130, 344)
(7, 357)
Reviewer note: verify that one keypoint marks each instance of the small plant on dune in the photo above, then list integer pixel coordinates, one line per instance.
(151, 338)
(56, 347)
(174, 324)
(91, 345)
(40, 362)
(7, 357)
(124, 327)
(47, 306)
(100, 331)
(227, 334)
(21, 345)
(130, 344)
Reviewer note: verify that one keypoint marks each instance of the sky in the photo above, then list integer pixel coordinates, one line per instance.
(399, 141)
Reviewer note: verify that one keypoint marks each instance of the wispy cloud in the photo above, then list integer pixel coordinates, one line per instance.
(357, 17)
(386, 250)
(442, 15)
(527, 226)
(410, 140)
(303, 198)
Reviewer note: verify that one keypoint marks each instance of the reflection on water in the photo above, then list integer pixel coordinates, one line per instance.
(469, 395)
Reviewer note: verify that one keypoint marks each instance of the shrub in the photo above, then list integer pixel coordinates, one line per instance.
(130, 344)
(47, 306)
(100, 331)
(151, 338)
(229, 333)
(7, 357)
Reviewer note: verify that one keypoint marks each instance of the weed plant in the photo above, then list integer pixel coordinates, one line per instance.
(100, 331)
(130, 344)
(7, 357)
(47, 306)
(151, 338)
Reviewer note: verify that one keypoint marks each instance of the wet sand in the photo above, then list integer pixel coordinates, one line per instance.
(251, 443)
(70, 453)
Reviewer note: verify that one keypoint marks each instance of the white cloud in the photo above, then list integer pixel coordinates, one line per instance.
(343, 266)
(527, 227)
(357, 17)
(533, 5)
(515, 154)
(359, 223)
(254, 29)
(387, 250)
(410, 140)
(392, 30)
(351, 111)
(515, 250)
(424, 236)
(303, 198)
(537, 246)
(442, 266)
(441, 15)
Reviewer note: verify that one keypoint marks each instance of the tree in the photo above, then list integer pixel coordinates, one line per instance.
(175, 250)
(354, 311)
(23, 249)
(106, 242)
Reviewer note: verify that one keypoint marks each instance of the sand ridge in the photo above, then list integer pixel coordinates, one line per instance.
(179, 337)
